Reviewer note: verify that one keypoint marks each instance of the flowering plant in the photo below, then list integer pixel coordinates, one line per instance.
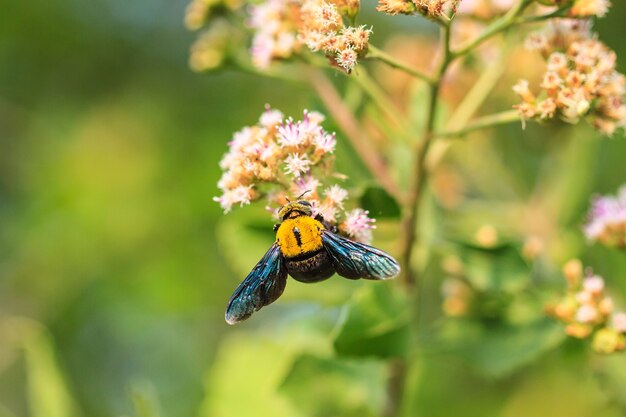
(458, 221)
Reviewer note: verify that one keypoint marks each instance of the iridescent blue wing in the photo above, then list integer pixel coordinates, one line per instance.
(263, 285)
(355, 260)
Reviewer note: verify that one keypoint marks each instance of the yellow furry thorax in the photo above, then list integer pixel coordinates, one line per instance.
(299, 234)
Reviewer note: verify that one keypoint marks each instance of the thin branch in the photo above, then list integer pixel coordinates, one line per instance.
(375, 53)
(418, 176)
(494, 28)
(491, 120)
(354, 132)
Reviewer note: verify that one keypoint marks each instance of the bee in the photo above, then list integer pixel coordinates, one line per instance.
(309, 249)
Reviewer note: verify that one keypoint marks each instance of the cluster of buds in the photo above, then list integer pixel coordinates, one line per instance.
(280, 158)
(581, 8)
(431, 9)
(199, 12)
(580, 81)
(587, 8)
(282, 26)
(210, 50)
(607, 220)
(588, 312)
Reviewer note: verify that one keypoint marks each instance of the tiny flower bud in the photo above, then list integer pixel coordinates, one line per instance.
(487, 236)
(573, 271)
(607, 341)
(578, 330)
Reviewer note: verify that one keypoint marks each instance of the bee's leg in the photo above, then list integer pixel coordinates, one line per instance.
(276, 226)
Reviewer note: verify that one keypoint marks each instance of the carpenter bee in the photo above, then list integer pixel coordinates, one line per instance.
(308, 249)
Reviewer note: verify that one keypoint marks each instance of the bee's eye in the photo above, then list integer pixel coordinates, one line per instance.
(305, 203)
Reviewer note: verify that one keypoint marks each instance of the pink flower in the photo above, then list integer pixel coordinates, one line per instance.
(358, 225)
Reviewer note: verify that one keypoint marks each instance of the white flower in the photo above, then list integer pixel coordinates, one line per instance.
(336, 195)
(271, 117)
(297, 165)
(586, 314)
(594, 284)
(325, 142)
(347, 59)
(241, 194)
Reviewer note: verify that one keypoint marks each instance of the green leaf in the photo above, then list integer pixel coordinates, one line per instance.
(496, 269)
(321, 387)
(144, 398)
(376, 324)
(244, 379)
(48, 395)
(496, 349)
(379, 203)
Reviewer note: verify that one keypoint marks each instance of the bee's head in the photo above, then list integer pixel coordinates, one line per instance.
(295, 209)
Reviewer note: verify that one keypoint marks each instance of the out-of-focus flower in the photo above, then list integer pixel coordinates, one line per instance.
(607, 220)
(457, 296)
(428, 8)
(580, 82)
(275, 24)
(588, 312)
(586, 8)
(280, 158)
(281, 27)
(199, 12)
(487, 236)
(533, 246)
(322, 29)
(210, 50)
(484, 9)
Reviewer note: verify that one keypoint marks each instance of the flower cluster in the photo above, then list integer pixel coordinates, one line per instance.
(199, 12)
(587, 8)
(607, 220)
(428, 8)
(274, 23)
(322, 29)
(210, 50)
(580, 81)
(282, 26)
(280, 158)
(588, 312)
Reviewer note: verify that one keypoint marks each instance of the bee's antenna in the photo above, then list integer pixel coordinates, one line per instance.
(302, 195)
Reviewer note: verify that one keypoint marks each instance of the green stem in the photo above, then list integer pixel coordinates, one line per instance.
(375, 53)
(397, 383)
(494, 28)
(491, 120)
(418, 176)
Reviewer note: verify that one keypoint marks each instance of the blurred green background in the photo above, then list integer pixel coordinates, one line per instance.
(113, 281)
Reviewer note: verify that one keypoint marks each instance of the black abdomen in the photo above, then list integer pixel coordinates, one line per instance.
(310, 267)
